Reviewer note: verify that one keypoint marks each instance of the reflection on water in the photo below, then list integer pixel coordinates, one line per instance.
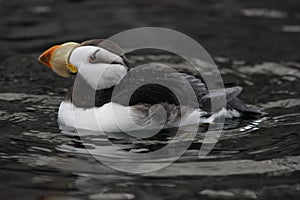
(291, 28)
(263, 12)
(55, 165)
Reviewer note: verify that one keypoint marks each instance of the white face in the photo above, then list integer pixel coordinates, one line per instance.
(94, 66)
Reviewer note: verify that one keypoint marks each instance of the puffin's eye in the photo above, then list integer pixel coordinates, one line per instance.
(93, 57)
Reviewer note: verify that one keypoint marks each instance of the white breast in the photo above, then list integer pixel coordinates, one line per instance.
(95, 119)
(113, 117)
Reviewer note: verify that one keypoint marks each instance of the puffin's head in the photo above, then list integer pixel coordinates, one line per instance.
(100, 62)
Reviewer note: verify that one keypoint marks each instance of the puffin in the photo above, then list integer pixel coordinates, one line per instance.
(99, 68)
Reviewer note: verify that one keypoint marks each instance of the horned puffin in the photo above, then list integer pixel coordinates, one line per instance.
(101, 66)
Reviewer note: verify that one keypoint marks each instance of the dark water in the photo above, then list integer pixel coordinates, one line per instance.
(255, 48)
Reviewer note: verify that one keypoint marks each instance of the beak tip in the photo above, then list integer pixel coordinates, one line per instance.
(45, 57)
(39, 59)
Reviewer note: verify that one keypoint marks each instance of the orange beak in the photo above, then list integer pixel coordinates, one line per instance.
(57, 59)
(45, 58)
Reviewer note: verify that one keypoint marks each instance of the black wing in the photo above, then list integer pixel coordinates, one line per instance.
(155, 84)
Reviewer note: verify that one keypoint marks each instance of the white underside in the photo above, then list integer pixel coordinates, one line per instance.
(113, 117)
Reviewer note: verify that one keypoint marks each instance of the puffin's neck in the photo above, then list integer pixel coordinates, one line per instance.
(82, 95)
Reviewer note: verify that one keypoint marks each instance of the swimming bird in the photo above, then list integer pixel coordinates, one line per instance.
(99, 67)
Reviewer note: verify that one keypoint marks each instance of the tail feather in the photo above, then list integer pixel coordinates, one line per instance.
(217, 98)
(240, 106)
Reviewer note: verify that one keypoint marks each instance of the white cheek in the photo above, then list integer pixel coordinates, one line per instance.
(101, 76)
(80, 56)
(97, 75)
(93, 74)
